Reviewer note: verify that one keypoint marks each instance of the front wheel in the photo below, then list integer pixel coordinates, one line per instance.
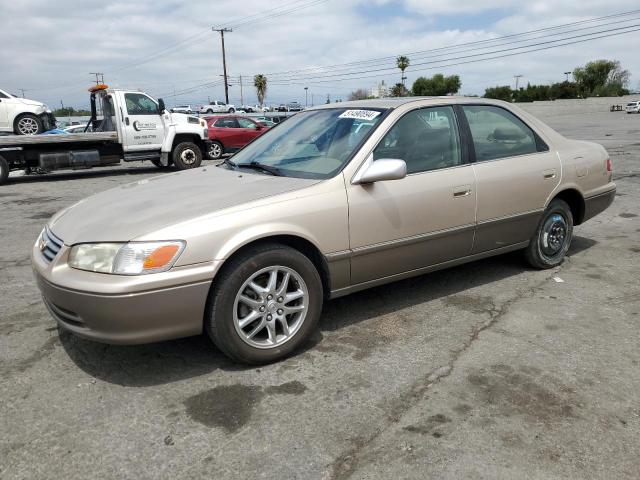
(552, 238)
(4, 170)
(28, 124)
(215, 150)
(187, 155)
(232, 110)
(264, 304)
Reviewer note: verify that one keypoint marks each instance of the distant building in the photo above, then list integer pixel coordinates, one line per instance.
(380, 90)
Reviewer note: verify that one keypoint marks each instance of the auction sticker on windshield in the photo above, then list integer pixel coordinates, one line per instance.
(360, 114)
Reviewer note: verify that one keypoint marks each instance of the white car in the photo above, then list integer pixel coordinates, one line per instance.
(182, 109)
(78, 128)
(218, 107)
(24, 117)
(633, 107)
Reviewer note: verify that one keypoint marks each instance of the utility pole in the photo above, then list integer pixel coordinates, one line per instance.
(224, 61)
(22, 90)
(517, 77)
(99, 77)
(306, 96)
(567, 74)
(241, 97)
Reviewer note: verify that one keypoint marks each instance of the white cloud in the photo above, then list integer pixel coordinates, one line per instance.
(49, 48)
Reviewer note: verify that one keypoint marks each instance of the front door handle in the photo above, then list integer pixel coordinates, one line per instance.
(551, 173)
(126, 120)
(462, 191)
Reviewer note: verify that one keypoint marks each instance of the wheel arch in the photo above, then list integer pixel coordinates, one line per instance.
(296, 242)
(188, 137)
(575, 200)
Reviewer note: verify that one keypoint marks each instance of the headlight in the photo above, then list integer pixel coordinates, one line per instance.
(134, 258)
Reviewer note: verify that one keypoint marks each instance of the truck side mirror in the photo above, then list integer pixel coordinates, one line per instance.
(161, 106)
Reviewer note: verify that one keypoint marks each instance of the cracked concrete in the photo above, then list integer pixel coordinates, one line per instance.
(487, 370)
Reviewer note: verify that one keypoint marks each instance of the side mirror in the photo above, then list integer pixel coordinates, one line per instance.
(161, 106)
(383, 169)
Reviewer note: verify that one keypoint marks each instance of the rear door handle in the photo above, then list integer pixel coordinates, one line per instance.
(462, 191)
(551, 173)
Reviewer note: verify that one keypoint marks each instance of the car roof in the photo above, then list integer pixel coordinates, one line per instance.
(396, 102)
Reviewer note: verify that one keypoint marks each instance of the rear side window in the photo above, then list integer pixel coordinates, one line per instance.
(227, 123)
(426, 139)
(497, 133)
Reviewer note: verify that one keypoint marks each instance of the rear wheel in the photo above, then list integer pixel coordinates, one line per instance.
(552, 238)
(4, 170)
(28, 124)
(187, 155)
(264, 304)
(215, 150)
(232, 110)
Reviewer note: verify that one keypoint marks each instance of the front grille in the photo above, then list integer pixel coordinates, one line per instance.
(49, 244)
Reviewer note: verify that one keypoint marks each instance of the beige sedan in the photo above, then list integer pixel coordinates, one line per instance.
(336, 199)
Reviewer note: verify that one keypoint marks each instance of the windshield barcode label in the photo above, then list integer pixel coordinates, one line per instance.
(360, 114)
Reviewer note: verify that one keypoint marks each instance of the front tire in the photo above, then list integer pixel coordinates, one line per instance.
(28, 124)
(552, 238)
(187, 155)
(4, 171)
(215, 150)
(232, 110)
(264, 304)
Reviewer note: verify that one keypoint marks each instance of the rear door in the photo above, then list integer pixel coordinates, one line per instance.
(424, 219)
(515, 170)
(143, 126)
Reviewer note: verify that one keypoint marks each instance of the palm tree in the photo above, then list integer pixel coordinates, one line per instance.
(402, 63)
(260, 82)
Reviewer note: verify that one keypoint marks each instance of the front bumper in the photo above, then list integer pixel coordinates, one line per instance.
(123, 310)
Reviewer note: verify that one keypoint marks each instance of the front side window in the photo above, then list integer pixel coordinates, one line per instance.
(245, 123)
(312, 144)
(497, 133)
(139, 104)
(426, 139)
(2, 95)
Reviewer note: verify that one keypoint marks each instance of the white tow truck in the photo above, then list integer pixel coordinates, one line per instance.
(132, 126)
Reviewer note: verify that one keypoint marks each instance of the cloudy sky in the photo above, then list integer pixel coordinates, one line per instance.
(167, 46)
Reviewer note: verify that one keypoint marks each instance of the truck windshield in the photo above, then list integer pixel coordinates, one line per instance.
(312, 144)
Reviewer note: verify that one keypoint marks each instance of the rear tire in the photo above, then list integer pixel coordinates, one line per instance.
(216, 150)
(28, 124)
(4, 171)
(187, 155)
(278, 326)
(552, 238)
(232, 110)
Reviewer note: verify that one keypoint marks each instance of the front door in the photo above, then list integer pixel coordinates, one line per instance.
(424, 219)
(515, 172)
(249, 130)
(143, 125)
(4, 111)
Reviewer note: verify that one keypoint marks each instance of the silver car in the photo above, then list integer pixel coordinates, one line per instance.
(249, 250)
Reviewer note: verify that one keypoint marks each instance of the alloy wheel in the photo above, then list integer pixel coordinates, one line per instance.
(553, 235)
(270, 307)
(215, 151)
(27, 126)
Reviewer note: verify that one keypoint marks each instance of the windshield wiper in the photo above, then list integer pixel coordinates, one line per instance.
(232, 164)
(261, 166)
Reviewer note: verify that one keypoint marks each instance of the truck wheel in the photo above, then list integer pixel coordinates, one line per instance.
(4, 171)
(215, 150)
(264, 304)
(28, 124)
(187, 155)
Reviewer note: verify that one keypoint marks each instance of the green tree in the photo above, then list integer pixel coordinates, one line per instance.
(359, 94)
(499, 93)
(602, 78)
(402, 63)
(564, 89)
(398, 90)
(436, 86)
(260, 82)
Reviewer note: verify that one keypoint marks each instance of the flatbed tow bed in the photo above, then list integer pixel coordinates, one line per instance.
(132, 127)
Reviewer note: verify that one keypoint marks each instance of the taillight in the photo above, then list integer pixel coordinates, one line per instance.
(609, 165)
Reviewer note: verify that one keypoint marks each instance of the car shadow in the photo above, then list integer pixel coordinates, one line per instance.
(63, 175)
(171, 361)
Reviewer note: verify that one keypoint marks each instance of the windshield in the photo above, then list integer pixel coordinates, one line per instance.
(312, 144)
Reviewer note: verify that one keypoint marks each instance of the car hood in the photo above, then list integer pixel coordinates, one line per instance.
(135, 209)
(26, 101)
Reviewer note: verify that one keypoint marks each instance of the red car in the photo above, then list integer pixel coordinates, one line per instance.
(229, 133)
